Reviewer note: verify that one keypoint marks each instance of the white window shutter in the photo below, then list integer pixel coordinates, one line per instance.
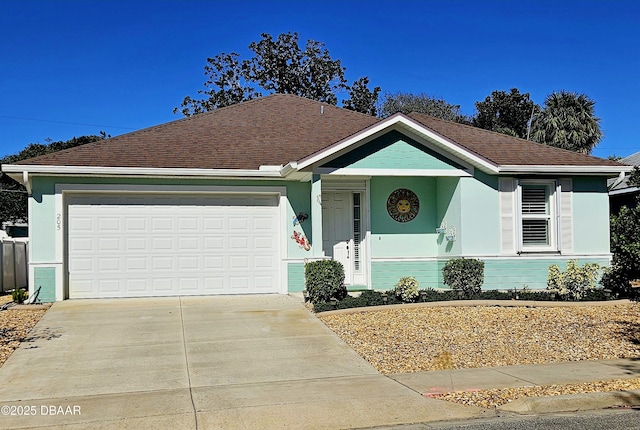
(566, 215)
(507, 188)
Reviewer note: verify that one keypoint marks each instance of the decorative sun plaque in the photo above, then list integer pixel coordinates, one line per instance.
(403, 205)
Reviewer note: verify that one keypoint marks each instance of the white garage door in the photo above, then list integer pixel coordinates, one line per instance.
(160, 245)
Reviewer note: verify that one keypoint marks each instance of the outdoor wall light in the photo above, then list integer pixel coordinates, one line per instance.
(451, 234)
(443, 227)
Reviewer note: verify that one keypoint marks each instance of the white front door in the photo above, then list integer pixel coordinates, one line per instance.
(343, 233)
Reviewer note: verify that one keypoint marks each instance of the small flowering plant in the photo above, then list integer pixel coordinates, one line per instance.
(407, 289)
(575, 281)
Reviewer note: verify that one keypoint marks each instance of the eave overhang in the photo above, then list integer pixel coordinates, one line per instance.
(21, 172)
(609, 171)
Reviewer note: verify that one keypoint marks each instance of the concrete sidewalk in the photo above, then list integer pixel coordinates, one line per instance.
(445, 381)
(200, 362)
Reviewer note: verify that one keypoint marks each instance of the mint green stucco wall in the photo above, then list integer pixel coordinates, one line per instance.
(299, 200)
(393, 151)
(416, 238)
(43, 223)
(471, 204)
(590, 215)
(480, 225)
(449, 210)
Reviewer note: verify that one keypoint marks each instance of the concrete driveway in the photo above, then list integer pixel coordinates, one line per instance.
(199, 362)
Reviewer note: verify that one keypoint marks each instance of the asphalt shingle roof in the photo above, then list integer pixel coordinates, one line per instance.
(280, 128)
(502, 149)
(273, 130)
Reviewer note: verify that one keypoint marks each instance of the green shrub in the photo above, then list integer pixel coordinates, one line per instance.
(575, 281)
(407, 289)
(19, 295)
(466, 274)
(324, 280)
(625, 246)
(367, 298)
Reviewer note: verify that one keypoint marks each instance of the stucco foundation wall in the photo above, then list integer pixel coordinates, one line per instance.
(385, 274)
(295, 277)
(503, 274)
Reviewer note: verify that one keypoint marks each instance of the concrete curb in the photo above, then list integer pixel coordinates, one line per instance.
(572, 402)
(470, 303)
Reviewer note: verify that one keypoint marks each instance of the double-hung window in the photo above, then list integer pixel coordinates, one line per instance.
(538, 215)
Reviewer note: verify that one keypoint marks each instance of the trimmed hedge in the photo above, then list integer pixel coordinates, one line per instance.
(375, 298)
(324, 280)
(465, 274)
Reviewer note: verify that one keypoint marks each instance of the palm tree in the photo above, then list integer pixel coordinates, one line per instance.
(568, 121)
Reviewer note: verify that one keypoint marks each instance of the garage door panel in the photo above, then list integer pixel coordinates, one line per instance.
(134, 225)
(107, 244)
(110, 287)
(108, 265)
(162, 244)
(214, 285)
(128, 246)
(162, 285)
(138, 286)
(82, 244)
(162, 263)
(81, 265)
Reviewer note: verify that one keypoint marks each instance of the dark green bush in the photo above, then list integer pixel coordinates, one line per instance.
(538, 296)
(466, 274)
(431, 295)
(367, 298)
(324, 280)
(625, 246)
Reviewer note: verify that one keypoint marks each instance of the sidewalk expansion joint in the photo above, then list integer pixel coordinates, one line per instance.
(186, 359)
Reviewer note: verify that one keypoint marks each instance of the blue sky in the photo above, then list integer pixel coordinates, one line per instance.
(71, 68)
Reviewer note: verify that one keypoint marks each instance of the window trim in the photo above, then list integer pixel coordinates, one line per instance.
(553, 187)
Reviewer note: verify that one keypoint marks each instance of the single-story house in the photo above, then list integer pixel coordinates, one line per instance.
(621, 193)
(236, 200)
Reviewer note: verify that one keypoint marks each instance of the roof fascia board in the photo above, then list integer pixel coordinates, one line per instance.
(628, 190)
(574, 170)
(390, 172)
(138, 171)
(400, 122)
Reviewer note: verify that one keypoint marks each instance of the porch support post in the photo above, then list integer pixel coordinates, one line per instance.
(316, 216)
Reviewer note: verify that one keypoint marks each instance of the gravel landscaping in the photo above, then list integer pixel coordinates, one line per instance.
(435, 338)
(15, 325)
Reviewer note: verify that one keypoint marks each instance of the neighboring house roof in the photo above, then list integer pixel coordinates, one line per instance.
(280, 129)
(621, 186)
